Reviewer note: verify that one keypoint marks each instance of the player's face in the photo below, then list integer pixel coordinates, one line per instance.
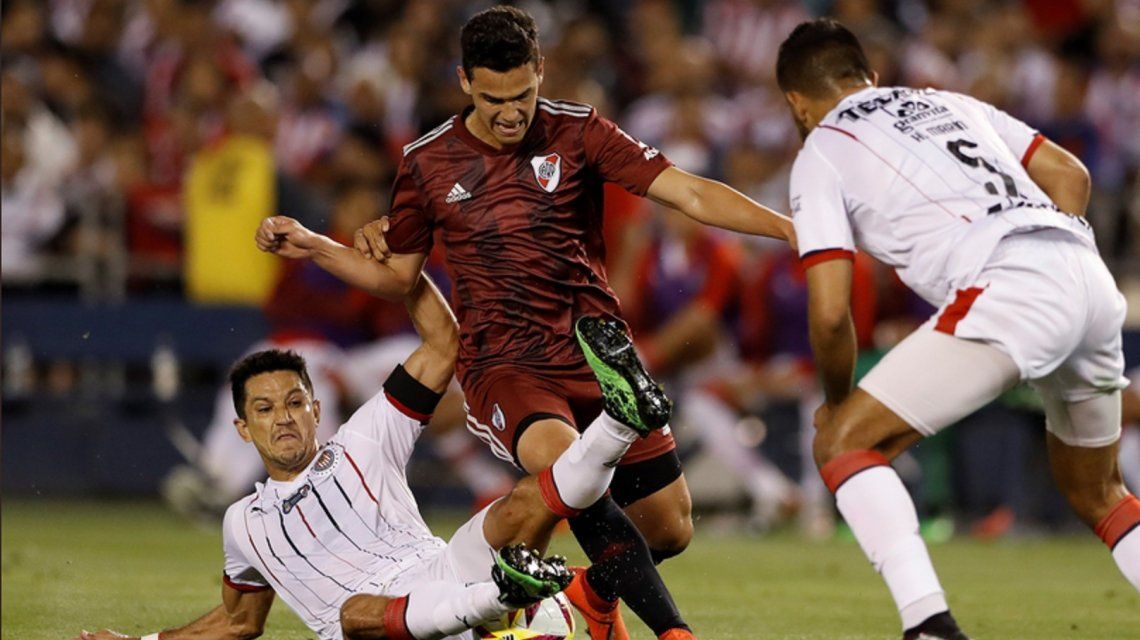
(505, 101)
(281, 419)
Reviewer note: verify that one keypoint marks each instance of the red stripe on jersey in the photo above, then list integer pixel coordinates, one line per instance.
(551, 497)
(955, 311)
(843, 131)
(1123, 518)
(306, 521)
(361, 476)
(1037, 140)
(404, 409)
(813, 258)
(395, 620)
(244, 588)
(840, 470)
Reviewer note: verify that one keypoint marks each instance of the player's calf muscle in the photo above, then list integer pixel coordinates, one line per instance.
(521, 516)
(362, 617)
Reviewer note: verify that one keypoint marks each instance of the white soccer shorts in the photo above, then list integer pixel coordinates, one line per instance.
(1044, 309)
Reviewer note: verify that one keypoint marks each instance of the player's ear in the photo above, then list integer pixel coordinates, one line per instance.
(539, 68)
(874, 78)
(464, 81)
(317, 410)
(242, 429)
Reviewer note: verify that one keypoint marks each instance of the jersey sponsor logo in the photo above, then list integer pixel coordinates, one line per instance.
(547, 170)
(498, 420)
(327, 461)
(457, 193)
(290, 502)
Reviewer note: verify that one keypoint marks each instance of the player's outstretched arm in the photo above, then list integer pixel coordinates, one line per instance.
(393, 279)
(717, 204)
(830, 327)
(1062, 176)
(433, 363)
(240, 616)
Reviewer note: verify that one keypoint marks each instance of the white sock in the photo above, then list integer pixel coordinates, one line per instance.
(879, 511)
(1127, 556)
(440, 609)
(583, 472)
(482, 477)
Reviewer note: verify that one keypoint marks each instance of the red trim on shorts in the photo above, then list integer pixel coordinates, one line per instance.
(1037, 140)
(955, 311)
(1123, 518)
(813, 258)
(840, 470)
(396, 619)
(244, 588)
(549, 490)
(404, 409)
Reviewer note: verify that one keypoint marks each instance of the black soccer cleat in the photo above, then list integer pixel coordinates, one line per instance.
(524, 577)
(628, 393)
(940, 626)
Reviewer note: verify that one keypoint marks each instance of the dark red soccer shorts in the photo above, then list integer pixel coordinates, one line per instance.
(503, 401)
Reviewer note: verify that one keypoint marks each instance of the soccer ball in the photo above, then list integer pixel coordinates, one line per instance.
(547, 620)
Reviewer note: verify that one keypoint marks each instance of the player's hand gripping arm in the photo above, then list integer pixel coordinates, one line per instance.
(240, 616)
(393, 279)
(831, 328)
(717, 204)
(1062, 176)
(433, 363)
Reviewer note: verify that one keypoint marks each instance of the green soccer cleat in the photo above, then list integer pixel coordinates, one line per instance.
(628, 393)
(524, 577)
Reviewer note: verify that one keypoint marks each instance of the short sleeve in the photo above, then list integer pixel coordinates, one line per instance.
(395, 417)
(410, 225)
(819, 212)
(238, 572)
(1021, 138)
(619, 158)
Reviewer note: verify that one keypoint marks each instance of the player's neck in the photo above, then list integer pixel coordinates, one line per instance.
(475, 127)
(286, 474)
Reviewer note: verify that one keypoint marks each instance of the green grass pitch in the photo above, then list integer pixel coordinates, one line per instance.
(134, 567)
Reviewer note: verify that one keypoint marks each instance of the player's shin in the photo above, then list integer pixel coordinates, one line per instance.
(622, 565)
(881, 514)
(439, 609)
(1120, 530)
(583, 472)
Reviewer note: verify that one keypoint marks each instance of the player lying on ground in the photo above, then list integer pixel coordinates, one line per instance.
(983, 217)
(335, 531)
(512, 186)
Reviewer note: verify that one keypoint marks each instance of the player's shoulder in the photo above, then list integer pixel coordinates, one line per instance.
(566, 110)
(235, 512)
(429, 139)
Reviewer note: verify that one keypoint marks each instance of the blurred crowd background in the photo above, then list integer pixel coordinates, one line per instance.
(144, 139)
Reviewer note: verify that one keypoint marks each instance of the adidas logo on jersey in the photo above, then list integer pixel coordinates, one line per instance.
(457, 193)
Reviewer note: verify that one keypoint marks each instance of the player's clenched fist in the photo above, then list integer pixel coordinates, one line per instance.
(369, 240)
(286, 237)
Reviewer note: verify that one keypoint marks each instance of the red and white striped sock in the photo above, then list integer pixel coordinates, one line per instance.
(1120, 530)
(881, 514)
(582, 474)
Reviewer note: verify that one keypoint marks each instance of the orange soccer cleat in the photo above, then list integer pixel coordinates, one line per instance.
(677, 634)
(603, 617)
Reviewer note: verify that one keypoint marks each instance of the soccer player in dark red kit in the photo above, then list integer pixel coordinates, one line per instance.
(513, 185)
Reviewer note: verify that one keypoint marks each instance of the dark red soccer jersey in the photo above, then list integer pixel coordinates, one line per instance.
(521, 228)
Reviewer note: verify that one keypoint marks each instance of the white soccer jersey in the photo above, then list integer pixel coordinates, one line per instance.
(348, 524)
(925, 181)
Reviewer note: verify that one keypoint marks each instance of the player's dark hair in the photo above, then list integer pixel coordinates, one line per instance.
(820, 56)
(500, 39)
(265, 362)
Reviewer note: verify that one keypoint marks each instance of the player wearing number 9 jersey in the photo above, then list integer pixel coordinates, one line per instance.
(983, 217)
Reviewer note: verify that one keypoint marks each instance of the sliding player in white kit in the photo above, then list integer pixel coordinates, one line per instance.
(335, 531)
(982, 217)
